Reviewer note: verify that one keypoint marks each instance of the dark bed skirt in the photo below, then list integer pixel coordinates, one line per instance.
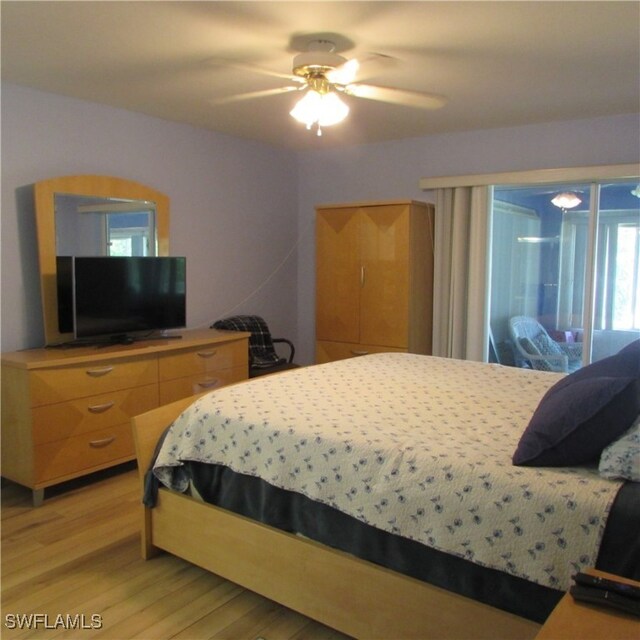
(293, 512)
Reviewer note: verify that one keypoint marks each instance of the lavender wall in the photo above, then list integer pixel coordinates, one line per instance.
(243, 212)
(233, 205)
(393, 170)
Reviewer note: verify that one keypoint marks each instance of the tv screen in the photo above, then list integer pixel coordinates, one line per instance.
(113, 297)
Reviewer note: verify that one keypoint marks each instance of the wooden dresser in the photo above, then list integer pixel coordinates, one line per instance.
(66, 412)
(374, 278)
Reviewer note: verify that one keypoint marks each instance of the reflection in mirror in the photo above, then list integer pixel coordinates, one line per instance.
(91, 226)
(130, 234)
(90, 215)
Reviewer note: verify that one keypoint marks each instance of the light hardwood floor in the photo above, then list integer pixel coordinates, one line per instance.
(79, 555)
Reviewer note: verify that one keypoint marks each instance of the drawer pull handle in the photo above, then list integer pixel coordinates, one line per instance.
(208, 384)
(96, 373)
(359, 353)
(101, 408)
(98, 444)
(207, 354)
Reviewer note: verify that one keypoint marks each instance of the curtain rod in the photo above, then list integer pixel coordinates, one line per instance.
(536, 176)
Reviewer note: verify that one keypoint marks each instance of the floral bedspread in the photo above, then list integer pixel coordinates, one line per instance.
(414, 445)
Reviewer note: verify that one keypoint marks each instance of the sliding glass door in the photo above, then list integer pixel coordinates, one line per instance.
(565, 283)
(616, 320)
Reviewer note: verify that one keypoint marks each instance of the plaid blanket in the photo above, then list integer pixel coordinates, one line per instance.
(262, 353)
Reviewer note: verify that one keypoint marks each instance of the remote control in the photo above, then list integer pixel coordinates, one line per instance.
(606, 584)
(606, 598)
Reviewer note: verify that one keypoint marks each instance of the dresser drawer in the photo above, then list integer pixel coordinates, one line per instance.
(205, 359)
(66, 419)
(171, 390)
(60, 384)
(329, 351)
(67, 412)
(83, 452)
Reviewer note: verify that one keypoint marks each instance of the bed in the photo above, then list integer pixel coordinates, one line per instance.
(378, 496)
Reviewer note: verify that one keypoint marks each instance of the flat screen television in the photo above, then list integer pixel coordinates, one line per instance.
(120, 299)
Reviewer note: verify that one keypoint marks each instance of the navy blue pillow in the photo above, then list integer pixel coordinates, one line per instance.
(583, 413)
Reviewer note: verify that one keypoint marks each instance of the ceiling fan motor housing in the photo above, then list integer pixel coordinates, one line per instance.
(314, 63)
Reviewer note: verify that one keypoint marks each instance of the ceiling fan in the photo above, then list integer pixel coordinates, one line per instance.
(323, 74)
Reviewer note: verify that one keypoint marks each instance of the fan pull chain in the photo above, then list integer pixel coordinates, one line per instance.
(318, 130)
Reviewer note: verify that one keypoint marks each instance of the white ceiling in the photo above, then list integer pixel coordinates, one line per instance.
(498, 63)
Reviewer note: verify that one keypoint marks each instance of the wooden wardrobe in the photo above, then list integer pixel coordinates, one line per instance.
(374, 278)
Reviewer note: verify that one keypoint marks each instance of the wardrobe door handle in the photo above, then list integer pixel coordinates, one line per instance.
(101, 408)
(207, 354)
(208, 384)
(96, 373)
(98, 444)
(362, 276)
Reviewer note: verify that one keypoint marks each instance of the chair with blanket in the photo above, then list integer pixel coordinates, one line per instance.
(534, 347)
(263, 358)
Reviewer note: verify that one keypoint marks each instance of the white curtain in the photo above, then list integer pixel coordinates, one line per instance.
(461, 272)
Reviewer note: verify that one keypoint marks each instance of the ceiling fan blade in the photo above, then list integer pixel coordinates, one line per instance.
(374, 64)
(247, 66)
(397, 96)
(345, 73)
(368, 65)
(251, 95)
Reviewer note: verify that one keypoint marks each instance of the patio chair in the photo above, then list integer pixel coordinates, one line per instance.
(535, 349)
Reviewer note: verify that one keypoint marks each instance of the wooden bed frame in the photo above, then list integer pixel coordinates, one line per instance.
(353, 596)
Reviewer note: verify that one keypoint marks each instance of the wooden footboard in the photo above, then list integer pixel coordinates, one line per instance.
(354, 596)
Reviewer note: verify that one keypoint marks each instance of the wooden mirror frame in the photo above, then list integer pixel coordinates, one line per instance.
(92, 186)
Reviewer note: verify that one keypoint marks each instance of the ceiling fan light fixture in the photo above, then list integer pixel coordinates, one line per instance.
(566, 200)
(321, 109)
(307, 109)
(333, 110)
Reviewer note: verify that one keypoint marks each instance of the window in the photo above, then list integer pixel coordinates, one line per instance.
(572, 269)
(129, 234)
(617, 299)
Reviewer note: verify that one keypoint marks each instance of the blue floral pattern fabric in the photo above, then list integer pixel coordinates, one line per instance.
(621, 459)
(414, 445)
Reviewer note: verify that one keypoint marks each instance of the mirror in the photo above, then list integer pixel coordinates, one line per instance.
(94, 215)
(87, 226)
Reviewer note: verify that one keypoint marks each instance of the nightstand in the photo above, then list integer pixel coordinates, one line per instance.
(572, 620)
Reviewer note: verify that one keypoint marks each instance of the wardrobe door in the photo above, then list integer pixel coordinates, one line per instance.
(337, 275)
(384, 252)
